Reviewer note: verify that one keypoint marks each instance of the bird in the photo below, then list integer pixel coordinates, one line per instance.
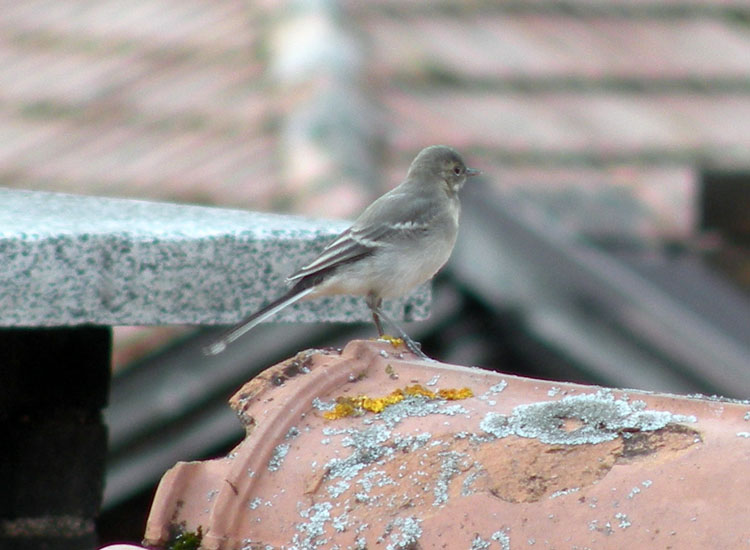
(400, 241)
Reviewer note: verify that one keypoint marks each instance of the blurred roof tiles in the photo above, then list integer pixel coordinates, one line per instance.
(173, 100)
(520, 46)
(147, 99)
(594, 126)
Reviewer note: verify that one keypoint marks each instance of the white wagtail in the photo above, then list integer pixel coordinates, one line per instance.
(400, 241)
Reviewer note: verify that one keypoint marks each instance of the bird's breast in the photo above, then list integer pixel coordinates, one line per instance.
(395, 269)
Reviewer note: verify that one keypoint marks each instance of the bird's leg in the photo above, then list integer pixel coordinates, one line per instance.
(377, 313)
(374, 302)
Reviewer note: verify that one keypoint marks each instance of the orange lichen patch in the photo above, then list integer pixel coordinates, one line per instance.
(455, 394)
(418, 389)
(351, 406)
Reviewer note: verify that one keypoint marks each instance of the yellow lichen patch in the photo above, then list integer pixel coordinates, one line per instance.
(392, 340)
(360, 404)
(341, 410)
(452, 394)
(377, 404)
(418, 389)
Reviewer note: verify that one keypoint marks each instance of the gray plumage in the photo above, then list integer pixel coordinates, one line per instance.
(400, 241)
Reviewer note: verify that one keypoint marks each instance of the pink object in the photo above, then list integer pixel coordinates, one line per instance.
(520, 463)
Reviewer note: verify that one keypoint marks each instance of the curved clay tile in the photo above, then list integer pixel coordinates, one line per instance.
(364, 449)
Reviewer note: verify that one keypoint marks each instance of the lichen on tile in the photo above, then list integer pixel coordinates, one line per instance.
(577, 420)
(359, 404)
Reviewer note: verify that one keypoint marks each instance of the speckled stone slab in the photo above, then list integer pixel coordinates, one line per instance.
(69, 260)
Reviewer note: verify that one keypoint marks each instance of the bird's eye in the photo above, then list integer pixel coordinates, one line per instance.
(457, 170)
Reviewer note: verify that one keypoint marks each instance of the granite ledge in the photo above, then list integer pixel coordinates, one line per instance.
(71, 260)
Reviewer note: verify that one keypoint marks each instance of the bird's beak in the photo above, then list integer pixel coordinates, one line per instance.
(472, 172)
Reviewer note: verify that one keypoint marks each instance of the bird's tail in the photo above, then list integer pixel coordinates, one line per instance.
(294, 295)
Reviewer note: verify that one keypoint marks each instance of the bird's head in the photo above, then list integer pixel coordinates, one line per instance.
(442, 164)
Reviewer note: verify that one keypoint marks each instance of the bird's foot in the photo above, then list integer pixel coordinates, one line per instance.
(411, 345)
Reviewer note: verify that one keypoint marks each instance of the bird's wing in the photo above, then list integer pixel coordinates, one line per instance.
(385, 221)
(343, 250)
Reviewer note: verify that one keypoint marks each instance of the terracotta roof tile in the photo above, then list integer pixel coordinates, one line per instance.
(647, 202)
(157, 100)
(340, 452)
(500, 46)
(647, 7)
(593, 126)
(193, 24)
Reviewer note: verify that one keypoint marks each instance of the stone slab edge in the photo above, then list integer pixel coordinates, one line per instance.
(70, 260)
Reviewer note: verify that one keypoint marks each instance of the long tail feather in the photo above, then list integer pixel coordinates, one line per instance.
(255, 319)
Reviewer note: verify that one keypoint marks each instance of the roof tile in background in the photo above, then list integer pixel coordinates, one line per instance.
(152, 99)
(492, 47)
